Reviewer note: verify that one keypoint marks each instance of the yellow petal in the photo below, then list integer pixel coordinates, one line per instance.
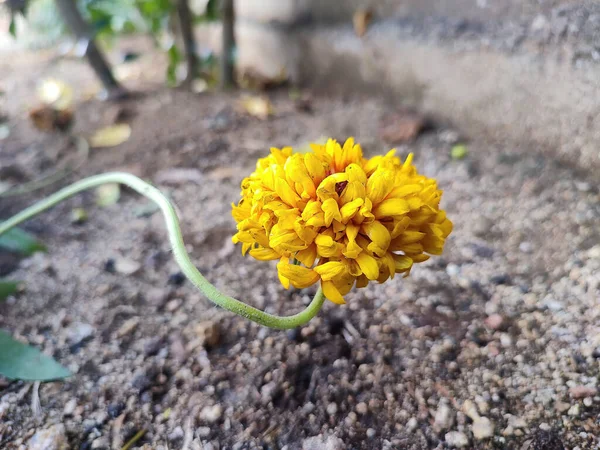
(332, 211)
(287, 194)
(308, 255)
(300, 277)
(264, 254)
(402, 263)
(391, 207)
(330, 270)
(332, 293)
(379, 185)
(350, 209)
(368, 265)
(378, 233)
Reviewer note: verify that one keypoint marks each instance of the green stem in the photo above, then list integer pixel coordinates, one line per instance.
(176, 239)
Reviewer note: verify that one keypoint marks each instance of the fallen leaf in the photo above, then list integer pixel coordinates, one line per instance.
(108, 194)
(257, 106)
(48, 118)
(111, 136)
(459, 151)
(401, 127)
(19, 361)
(361, 20)
(55, 93)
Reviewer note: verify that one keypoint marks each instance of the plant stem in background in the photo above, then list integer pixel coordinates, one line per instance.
(189, 40)
(83, 33)
(177, 245)
(228, 44)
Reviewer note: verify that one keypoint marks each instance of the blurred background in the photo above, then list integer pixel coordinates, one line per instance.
(496, 344)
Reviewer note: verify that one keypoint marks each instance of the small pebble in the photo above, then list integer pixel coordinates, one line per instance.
(52, 438)
(211, 414)
(456, 439)
(412, 424)
(483, 428)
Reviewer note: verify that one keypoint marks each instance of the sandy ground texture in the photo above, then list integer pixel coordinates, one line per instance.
(495, 345)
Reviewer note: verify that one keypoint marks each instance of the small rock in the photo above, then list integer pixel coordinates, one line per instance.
(173, 305)
(546, 440)
(371, 433)
(203, 432)
(127, 266)
(574, 410)
(412, 424)
(114, 410)
(53, 438)
(323, 443)
(332, 409)
(482, 226)
(79, 332)
(362, 408)
(561, 407)
(526, 247)
(128, 326)
(444, 418)
(69, 408)
(578, 392)
(209, 332)
(483, 428)
(211, 414)
(158, 296)
(516, 422)
(452, 270)
(456, 439)
(495, 322)
(101, 443)
(588, 401)
(176, 434)
(109, 265)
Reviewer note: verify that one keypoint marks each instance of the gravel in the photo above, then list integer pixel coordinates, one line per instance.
(487, 343)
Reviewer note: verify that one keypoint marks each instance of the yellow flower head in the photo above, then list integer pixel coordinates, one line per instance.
(334, 217)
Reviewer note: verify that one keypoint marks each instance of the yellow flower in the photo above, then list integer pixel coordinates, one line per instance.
(335, 217)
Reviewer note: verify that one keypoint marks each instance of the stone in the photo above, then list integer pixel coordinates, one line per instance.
(211, 414)
(79, 332)
(209, 333)
(483, 428)
(52, 438)
(579, 392)
(323, 443)
(456, 439)
(444, 418)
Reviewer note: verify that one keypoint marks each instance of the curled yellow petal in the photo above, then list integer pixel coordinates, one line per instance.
(332, 293)
(368, 265)
(300, 277)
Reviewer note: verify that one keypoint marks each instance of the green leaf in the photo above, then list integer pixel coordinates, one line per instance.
(8, 288)
(458, 152)
(19, 241)
(19, 361)
(12, 28)
(174, 59)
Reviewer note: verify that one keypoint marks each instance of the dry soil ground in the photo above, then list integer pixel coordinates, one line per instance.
(494, 345)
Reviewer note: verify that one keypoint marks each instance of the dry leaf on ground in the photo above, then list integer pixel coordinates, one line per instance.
(361, 20)
(257, 106)
(111, 136)
(401, 127)
(48, 118)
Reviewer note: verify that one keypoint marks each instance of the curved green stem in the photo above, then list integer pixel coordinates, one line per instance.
(176, 239)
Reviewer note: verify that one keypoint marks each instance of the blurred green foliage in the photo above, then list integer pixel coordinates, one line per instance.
(110, 19)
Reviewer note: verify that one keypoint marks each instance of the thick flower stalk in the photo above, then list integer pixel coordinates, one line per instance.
(333, 217)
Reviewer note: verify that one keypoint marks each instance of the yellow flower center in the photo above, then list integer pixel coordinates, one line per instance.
(332, 216)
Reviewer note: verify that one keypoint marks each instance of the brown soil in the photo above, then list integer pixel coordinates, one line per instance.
(506, 322)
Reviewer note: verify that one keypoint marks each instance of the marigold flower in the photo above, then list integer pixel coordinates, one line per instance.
(335, 217)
